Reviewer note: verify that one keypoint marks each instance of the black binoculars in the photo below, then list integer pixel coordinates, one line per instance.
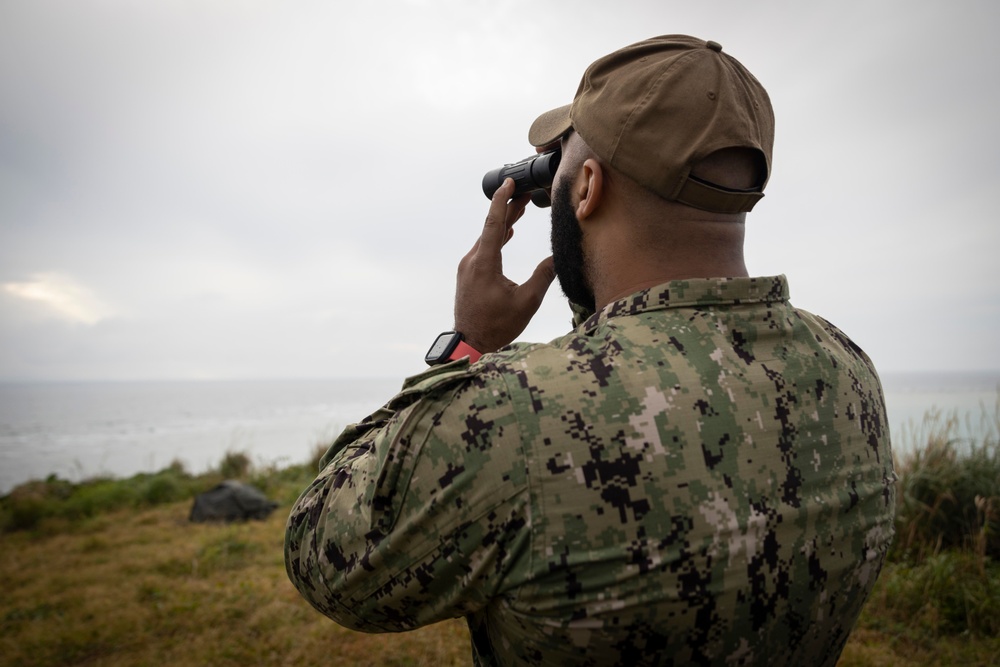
(533, 174)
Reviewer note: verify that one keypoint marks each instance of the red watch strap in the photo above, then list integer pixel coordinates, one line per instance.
(463, 349)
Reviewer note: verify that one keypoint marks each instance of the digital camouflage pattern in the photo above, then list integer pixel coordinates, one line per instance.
(698, 474)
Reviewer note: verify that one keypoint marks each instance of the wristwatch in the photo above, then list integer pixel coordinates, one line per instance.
(450, 346)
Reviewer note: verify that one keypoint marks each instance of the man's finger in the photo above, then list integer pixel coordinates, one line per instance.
(495, 228)
(534, 288)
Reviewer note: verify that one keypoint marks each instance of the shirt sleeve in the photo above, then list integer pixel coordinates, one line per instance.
(419, 512)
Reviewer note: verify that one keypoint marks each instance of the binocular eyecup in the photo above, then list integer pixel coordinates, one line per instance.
(533, 174)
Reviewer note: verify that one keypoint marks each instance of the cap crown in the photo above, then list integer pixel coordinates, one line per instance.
(656, 108)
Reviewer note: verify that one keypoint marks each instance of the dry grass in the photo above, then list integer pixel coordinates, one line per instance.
(83, 585)
(145, 588)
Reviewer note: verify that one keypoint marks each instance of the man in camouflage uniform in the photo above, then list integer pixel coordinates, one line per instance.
(698, 473)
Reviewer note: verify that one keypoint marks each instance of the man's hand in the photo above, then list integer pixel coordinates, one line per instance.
(490, 310)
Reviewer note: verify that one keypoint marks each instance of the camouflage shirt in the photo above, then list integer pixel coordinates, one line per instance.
(698, 474)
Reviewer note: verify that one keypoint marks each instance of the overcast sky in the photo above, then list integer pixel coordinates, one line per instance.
(256, 189)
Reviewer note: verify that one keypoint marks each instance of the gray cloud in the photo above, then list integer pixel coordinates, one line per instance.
(263, 189)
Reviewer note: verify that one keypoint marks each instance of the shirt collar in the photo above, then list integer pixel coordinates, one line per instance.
(693, 292)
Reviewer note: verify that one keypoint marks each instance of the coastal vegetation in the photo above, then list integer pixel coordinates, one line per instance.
(110, 571)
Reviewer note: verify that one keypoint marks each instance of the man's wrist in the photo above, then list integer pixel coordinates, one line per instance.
(475, 344)
(464, 349)
(450, 346)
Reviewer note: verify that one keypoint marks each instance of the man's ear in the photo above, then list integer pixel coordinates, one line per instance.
(590, 188)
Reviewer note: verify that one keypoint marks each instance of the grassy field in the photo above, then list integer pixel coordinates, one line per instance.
(148, 588)
(86, 582)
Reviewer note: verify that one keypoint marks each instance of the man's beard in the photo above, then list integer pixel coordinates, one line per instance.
(567, 249)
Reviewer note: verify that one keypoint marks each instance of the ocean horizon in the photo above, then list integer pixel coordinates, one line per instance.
(81, 430)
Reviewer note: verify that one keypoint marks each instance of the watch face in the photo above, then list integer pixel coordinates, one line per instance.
(442, 347)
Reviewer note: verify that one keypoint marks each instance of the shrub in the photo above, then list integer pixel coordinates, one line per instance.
(235, 465)
(162, 488)
(25, 506)
(950, 593)
(30, 503)
(99, 495)
(948, 493)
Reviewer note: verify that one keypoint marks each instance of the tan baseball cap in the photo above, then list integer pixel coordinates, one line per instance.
(654, 109)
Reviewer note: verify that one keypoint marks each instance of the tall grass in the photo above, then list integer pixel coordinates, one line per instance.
(943, 573)
(949, 489)
(72, 548)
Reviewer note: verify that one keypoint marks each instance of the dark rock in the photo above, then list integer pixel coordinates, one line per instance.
(231, 501)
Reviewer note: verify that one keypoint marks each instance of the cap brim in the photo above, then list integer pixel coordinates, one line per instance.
(550, 126)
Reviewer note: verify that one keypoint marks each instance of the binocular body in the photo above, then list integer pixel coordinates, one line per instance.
(533, 174)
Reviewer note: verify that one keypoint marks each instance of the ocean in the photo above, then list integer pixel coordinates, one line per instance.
(80, 430)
